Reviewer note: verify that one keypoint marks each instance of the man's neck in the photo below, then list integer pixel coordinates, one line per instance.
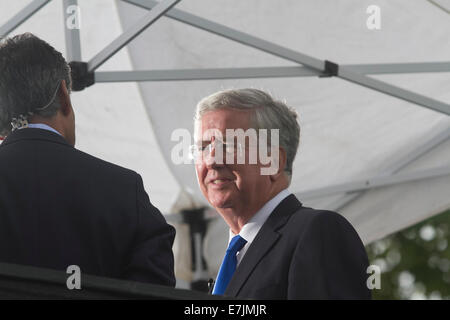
(43, 126)
(51, 122)
(236, 218)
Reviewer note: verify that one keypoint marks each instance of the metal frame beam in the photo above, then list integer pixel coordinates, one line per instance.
(376, 182)
(72, 36)
(152, 16)
(394, 68)
(396, 166)
(294, 56)
(21, 16)
(394, 91)
(203, 74)
(261, 72)
(234, 35)
(311, 66)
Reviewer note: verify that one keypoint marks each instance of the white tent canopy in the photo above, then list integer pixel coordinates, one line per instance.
(381, 160)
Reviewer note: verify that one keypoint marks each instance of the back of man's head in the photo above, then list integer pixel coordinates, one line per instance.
(31, 72)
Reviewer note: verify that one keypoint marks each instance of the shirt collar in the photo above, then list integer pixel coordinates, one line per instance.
(42, 126)
(252, 227)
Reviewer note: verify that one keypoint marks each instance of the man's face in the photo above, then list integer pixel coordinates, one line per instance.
(239, 187)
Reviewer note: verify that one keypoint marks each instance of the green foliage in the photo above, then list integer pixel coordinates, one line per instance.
(415, 262)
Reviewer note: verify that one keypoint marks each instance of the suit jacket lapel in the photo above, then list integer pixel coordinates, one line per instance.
(263, 242)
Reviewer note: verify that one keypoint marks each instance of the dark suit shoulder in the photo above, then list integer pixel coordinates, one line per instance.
(328, 257)
(104, 165)
(316, 216)
(311, 213)
(302, 217)
(52, 149)
(318, 224)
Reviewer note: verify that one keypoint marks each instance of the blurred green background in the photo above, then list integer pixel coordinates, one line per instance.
(414, 262)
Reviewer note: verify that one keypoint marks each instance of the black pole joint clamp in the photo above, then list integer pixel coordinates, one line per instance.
(331, 69)
(81, 77)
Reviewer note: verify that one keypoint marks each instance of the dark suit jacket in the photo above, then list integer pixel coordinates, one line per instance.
(60, 206)
(302, 253)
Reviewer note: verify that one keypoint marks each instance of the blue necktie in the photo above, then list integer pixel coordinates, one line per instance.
(228, 264)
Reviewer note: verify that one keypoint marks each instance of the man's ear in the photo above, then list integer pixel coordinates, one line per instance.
(64, 99)
(282, 157)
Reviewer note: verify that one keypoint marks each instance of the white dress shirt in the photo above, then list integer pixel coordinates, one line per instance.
(252, 227)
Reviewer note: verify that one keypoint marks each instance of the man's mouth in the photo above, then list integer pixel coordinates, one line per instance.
(220, 182)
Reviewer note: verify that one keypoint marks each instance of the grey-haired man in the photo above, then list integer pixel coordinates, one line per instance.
(278, 249)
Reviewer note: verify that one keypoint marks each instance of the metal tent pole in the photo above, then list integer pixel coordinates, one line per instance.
(328, 67)
(398, 165)
(261, 72)
(154, 14)
(20, 17)
(376, 182)
(72, 33)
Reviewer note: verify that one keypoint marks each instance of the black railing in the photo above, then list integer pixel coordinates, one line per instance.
(26, 282)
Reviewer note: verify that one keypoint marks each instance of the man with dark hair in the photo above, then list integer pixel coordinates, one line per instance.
(58, 205)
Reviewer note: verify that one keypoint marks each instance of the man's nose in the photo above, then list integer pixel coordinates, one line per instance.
(214, 158)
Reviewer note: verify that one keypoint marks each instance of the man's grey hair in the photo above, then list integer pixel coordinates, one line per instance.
(268, 114)
(31, 72)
